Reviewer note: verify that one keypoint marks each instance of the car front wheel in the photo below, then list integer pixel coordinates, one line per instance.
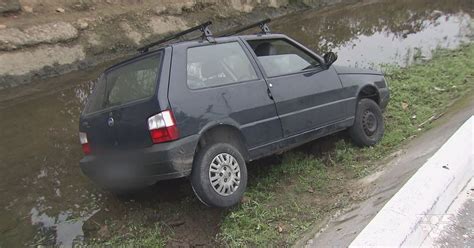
(368, 128)
(219, 175)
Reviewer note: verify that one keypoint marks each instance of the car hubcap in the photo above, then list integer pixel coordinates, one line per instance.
(224, 174)
(369, 123)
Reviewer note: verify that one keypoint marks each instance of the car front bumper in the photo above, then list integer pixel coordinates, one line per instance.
(384, 98)
(141, 168)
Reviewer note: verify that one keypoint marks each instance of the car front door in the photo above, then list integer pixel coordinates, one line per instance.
(307, 95)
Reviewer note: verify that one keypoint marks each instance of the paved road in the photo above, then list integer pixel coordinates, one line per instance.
(341, 231)
(456, 227)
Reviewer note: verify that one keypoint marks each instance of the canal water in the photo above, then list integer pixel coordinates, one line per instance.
(44, 198)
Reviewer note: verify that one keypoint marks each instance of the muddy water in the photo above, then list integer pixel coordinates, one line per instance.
(44, 199)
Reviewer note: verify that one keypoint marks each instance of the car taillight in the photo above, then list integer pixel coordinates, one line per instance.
(85, 144)
(163, 127)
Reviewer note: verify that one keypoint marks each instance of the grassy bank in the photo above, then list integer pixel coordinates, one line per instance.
(289, 193)
(286, 198)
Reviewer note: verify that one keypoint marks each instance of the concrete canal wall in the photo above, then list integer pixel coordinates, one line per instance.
(40, 39)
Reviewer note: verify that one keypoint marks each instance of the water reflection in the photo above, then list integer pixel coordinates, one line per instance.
(40, 180)
(46, 200)
(63, 228)
(389, 48)
(396, 32)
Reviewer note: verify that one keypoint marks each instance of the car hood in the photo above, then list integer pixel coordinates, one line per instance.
(349, 70)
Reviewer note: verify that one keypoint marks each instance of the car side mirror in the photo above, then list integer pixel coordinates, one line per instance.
(329, 59)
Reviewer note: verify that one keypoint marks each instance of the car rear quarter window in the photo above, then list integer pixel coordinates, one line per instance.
(218, 64)
(280, 57)
(130, 82)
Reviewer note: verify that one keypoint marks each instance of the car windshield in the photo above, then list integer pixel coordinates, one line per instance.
(130, 82)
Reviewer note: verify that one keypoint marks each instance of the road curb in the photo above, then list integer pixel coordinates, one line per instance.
(407, 219)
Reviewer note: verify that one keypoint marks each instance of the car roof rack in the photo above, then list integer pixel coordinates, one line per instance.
(204, 28)
(261, 24)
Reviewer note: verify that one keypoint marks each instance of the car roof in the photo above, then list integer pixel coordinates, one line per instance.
(197, 42)
(134, 57)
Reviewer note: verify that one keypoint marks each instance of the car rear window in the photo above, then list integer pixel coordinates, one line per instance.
(218, 64)
(131, 82)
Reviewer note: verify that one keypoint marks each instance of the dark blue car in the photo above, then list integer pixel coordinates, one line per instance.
(204, 108)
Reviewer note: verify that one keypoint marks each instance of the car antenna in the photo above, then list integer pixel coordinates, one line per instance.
(204, 28)
(261, 24)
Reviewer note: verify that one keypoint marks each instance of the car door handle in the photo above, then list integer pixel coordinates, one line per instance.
(269, 93)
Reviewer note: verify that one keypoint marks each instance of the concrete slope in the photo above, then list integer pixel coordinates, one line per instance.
(427, 195)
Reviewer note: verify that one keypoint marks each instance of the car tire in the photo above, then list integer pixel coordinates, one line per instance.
(217, 167)
(368, 128)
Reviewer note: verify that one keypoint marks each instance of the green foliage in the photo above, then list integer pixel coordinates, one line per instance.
(137, 237)
(267, 213)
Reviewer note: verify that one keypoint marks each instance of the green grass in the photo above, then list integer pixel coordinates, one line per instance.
(262, 218)
(136, 236)
(282, 198)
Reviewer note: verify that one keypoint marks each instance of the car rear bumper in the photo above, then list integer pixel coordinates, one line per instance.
(141, 168)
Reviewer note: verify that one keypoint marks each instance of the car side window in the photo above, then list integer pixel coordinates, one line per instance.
(218, 64)
(280, 57)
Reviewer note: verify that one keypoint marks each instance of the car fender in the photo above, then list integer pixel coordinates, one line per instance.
(225, 121)
(354, 83)
(228, 122)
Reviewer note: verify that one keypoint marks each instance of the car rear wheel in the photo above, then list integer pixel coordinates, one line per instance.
(219, 175)
(368, 128)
